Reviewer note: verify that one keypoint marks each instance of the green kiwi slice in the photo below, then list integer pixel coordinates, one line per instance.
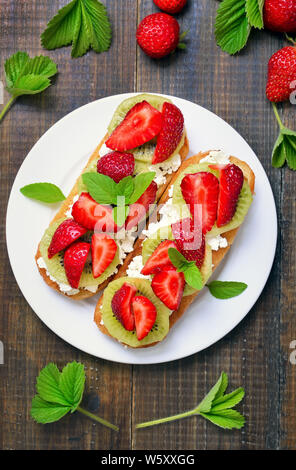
(116, 329)
(55, 265)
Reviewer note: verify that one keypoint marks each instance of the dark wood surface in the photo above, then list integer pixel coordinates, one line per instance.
(256, 353)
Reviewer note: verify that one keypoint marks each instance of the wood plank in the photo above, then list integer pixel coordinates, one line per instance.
(29, 345)
(232, 87)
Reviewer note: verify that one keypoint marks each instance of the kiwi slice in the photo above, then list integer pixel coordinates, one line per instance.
(206, 272)
(55, 265)
(160, 328)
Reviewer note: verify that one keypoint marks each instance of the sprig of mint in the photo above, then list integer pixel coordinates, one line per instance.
(226, 289)
(234, 21)
(44, 192)
(285, 146)
(26, 76)
(191, 272)
(84, 23)
(59, 393)
(215, 407)
(104, 190)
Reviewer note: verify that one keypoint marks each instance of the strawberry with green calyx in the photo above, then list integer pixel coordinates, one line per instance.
(285, 146)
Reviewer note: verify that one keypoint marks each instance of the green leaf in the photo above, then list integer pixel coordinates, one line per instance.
(44, 412)
(254, 10)
(48, 385)
(125, 188)
(120, 214)
(178, 260)
(14, 66)
(226, 289)
(72, 382)
(102, 188)
(141, 183)
(206, 404)
(285, 149)
(232, 28)
(193, 277)
(84, 23)
(226, 419)
(228, 401)
(44, 192)
(29, 85)
(223, 386)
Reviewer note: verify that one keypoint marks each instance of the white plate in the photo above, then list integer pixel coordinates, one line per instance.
(59, 157)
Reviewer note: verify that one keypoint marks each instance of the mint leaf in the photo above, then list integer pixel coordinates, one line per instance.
(226, 419)
(254, 10)
(285, 149)
(44, 412)
(72, 382)
(178, 260)
(84, 23)
(226, 289)
(191, 272)
(44, 192)
(232, 28)
(125, 187)
(48, 385)
(102, 188)
(141, 183)
(228, 401)
(120, 214)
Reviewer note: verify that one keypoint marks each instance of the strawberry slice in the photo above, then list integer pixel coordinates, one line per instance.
(190, 240)
(159, 259)
(145, 315)
(168, 286)
(201, 191)
(93, 216)
(103, 250)
(66, 233)
(231, 183)
(74, 261)
(141, 124)
(121, 306)
(139, 209)
(171, 133)
(116, 165)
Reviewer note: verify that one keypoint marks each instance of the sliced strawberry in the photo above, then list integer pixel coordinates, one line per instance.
(65, 234)
(121, 306)
(74, 261)
(141, 124)
(116, 165)
(190, 240)
(103, 251)
(231, 183)
(145, 315)
(93, 216)
(201, 191)
(159, 259)
(171, 132)
(168, 286)
(139, 209)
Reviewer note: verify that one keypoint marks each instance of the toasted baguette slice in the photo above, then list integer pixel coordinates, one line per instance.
(83, 294)
(217, 255)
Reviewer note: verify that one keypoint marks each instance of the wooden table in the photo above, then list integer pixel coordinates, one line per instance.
(256, 354)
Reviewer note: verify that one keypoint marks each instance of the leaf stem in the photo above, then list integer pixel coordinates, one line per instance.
(166, 420)
(6, 108)
(290, 39)
(277, 115)
(97, 418)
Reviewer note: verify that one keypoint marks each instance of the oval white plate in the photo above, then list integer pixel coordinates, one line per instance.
(59, 157)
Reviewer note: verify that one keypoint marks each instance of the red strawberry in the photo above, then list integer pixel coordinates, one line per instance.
(231, 183)
(280, 15)
(116, 165)
(281, 74)
(170, 134)
(141, 124)
(121, 306)
(159, 259)
(190, 240)
(158, 35)
(93, 216)
(65, 234)
(145, 315)
(74, 261)
(170, 6)
(200, 191)
(168, 286)
(103, 250)
(139, 209)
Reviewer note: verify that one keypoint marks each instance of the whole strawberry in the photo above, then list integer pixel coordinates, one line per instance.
(280, 15)
(158, 35)
(281, 74)
(170, 6)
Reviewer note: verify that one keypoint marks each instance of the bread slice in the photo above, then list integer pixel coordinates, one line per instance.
(83, 294)
(217, 255)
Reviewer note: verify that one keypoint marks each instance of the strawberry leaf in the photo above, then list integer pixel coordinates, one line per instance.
(232, 27)
(285, 149)
(254, 10)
